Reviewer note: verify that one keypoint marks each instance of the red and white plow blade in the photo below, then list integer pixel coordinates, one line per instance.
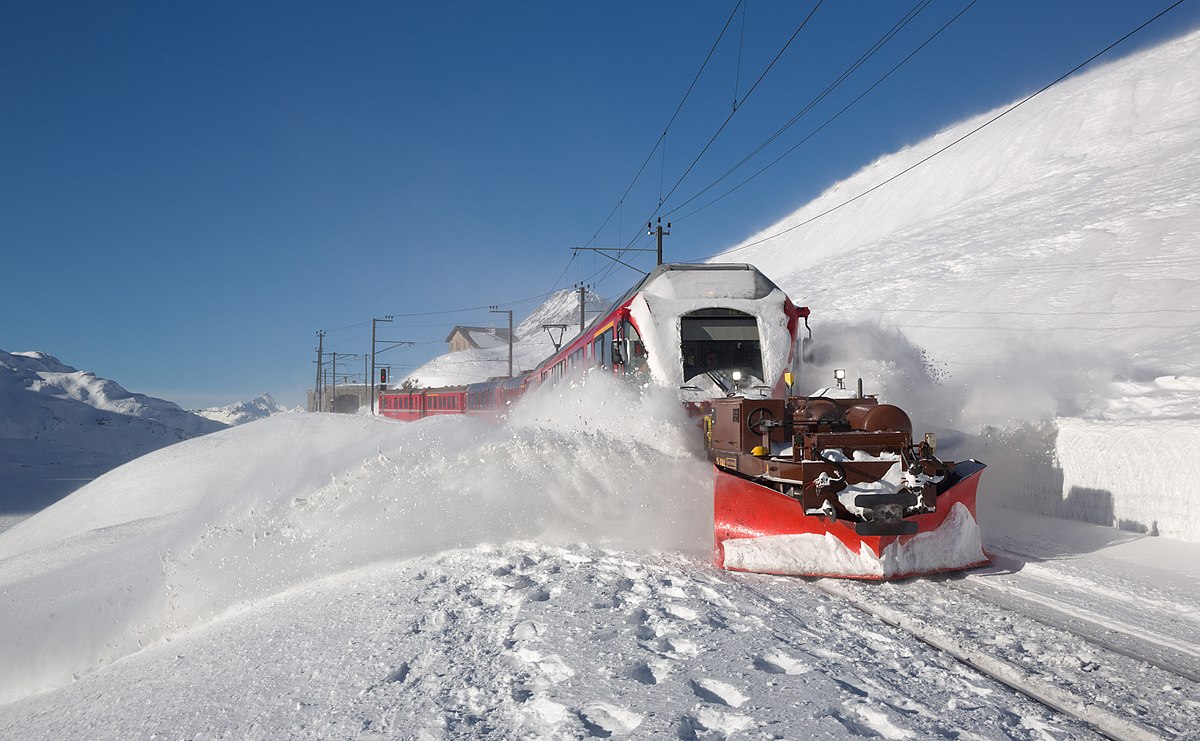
(759, 529)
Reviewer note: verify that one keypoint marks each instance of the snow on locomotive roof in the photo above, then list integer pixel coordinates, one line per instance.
(675, 290)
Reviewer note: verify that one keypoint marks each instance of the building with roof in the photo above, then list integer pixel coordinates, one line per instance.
(474, 338)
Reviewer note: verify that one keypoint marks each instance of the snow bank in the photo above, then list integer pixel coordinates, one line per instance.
(1132, 475)
(198, 529)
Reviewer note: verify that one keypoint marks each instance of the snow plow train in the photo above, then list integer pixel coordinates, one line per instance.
(829, 484)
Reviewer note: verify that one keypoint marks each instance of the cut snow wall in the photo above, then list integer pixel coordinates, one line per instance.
(1132, 475)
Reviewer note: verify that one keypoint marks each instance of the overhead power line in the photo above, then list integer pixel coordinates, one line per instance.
(667, 128)
(837, 82)
(733, 112)
(957, 141)
(608, 269)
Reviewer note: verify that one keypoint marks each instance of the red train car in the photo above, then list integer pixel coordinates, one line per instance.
(412, 404)
(831, 484)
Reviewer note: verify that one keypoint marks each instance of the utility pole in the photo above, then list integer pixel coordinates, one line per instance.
(320, 360)
(657, 231)
(497, 310)
(386, 318)
(582, 299)
(333, 407)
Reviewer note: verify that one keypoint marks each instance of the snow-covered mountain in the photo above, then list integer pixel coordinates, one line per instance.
(531, 344)
(60, 427)
(338, 576)
(242, 412)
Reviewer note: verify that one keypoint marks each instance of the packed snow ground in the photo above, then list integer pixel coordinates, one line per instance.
(322, 576)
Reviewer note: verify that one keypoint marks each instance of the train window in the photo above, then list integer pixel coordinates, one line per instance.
(720, 340)
(602, 349)
(633, 348)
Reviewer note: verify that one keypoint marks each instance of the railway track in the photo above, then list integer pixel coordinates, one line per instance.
(1132, 641)
(1123, 665)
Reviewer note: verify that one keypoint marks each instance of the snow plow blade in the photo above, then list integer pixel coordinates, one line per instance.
(762, 530)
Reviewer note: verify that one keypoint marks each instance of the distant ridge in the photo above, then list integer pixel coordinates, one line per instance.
(242, 412)
(61, 427)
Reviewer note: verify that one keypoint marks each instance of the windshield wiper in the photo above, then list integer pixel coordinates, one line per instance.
(721, 384)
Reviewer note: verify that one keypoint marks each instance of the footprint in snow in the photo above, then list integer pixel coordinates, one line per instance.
(718, 692)
(711, 724)
(399, 674)
(681, 612)
(522, 581)
(640, 671)
(677, 648)
(778, 662)
(603, 720)
(551, 666)
(527, 630)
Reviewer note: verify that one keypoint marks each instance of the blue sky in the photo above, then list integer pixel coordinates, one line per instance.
(188, 192)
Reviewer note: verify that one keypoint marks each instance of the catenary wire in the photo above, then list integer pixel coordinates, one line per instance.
(837, 82)
(663, 136)
(723, 125)
(977, 129)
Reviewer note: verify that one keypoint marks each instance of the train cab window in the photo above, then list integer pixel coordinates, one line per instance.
(633, 350)
(720, 340)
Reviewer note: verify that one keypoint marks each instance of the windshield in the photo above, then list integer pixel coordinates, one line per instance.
(720, 341)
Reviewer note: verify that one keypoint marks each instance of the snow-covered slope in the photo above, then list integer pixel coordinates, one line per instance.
(1045, 271)
(531, 344)
(60, 426)
(242, 412)
(1070, 224)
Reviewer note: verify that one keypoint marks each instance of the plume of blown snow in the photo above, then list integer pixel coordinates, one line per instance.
(193, 531)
